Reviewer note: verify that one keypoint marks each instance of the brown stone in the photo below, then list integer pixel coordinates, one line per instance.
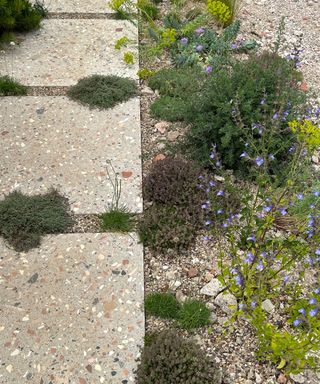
(304, 86)
(162, 126)
(126, 174)
(159, 157)
(82, 381)
(89, 368)
(125, 262)
(193, 272)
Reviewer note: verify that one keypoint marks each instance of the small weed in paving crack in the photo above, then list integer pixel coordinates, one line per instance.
(24, 219)
(103, 92)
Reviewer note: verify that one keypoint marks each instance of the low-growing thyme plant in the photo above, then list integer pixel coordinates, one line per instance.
(269, 252)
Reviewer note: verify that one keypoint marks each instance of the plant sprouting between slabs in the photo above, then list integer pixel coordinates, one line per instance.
(117, 218)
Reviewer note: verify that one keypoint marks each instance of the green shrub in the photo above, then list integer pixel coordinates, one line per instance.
(177, 82)
(163, 305)
(118, 220)
(173, 181)
(193, 314)
(10, 87)
(169, 108)
(260, 92)
(20, 16)
(24, 219)
(148, 10)
(170, 359)
(169, 227)
(103, 92)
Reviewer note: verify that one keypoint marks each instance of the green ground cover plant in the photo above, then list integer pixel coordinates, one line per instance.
(163, 305)
(171, 359)
(193, 314)
(103, 92)
(24, 219)
(19, 16)
(175, 215)
(10, 87)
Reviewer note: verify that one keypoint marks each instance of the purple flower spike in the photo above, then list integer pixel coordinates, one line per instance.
(297, 322)
(199, 48)
(184, 41)
(220, 193)
(313, 312)
(259, 161)
(209, 69)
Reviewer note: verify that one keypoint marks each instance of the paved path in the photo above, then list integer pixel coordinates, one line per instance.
(71, 311)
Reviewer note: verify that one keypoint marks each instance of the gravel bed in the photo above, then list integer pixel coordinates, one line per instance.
(232, 345)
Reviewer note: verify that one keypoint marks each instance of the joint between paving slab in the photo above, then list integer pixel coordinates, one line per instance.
(78, 15)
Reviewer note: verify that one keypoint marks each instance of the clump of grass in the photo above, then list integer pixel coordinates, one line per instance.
(10, 87)
(118, 220)
(24, 219)
(193, 314)
(103, 92)
(163, 305)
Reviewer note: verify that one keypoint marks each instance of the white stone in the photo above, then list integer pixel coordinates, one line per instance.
(268, 306)
(298, 378)
(213, 288)
(227, 302)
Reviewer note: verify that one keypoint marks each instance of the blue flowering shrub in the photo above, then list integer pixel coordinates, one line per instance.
(251, 101)
(272, 254)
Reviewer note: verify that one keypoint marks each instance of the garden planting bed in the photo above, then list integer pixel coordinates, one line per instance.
(231, 344)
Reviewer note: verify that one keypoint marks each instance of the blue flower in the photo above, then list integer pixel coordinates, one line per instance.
(312, 301)
(317, 252)
(234, 46)
(260, 266)
(263, 101)
(199, 31)
(250, 257)
(251, 238)
(271, 157)
(239, 280)
(218, 164)
(275, 116)
(313, 312)
(267, 209)
(220, 193)
(244, 154)
(253, 304)
(212, 155)
(199, 48)
(299, 196)
(219, 211)
(212, 183)
(259, 161)
(208, 222)
(184, 41)
(302, 311)
(206, 238)
(209, 69)
(297, 322)
(285, 279)
(283, 211)
(241, 306)
(317, 291)
(204, 206)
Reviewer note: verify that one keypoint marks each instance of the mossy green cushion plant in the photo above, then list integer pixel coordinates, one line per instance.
(24, 219)
(193, 314)
(170, 359)
(10, 87)
(103, 92)
(118, 220)
(163, 305)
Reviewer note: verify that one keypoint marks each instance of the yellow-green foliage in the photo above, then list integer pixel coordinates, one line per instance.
(115, 5)
(145, 73)
(220, 11)
(121, 42)
(168, 36)
(128, 57)
(307, 132)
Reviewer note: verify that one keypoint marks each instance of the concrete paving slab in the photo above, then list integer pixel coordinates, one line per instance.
(71, 311)
(55, 142)
(63, 51)
(77, 6)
